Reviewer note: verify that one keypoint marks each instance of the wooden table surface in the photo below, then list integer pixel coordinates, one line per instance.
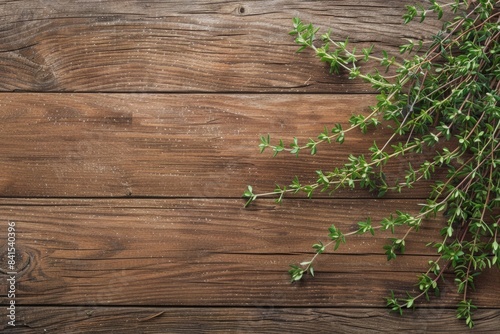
(129, 130)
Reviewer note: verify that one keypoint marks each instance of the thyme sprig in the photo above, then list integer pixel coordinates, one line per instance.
(442, 97)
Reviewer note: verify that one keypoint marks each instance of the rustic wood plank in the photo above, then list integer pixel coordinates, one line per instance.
(210, 253)
(101, 145)
(88, 319)
(181, 264)
(201, 45)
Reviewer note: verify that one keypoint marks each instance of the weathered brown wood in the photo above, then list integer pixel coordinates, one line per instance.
(211, 253)
(101, 145)
(184, 45)
(181, 254)
(88, 319)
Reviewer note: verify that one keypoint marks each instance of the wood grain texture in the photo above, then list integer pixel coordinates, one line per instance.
(118, 145)
(129, 130)
(88, 319)
(223, 46)
(211, 253)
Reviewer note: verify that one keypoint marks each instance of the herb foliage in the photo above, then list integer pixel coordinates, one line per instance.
(443, 96)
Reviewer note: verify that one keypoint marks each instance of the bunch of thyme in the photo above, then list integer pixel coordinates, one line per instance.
(444, 96)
